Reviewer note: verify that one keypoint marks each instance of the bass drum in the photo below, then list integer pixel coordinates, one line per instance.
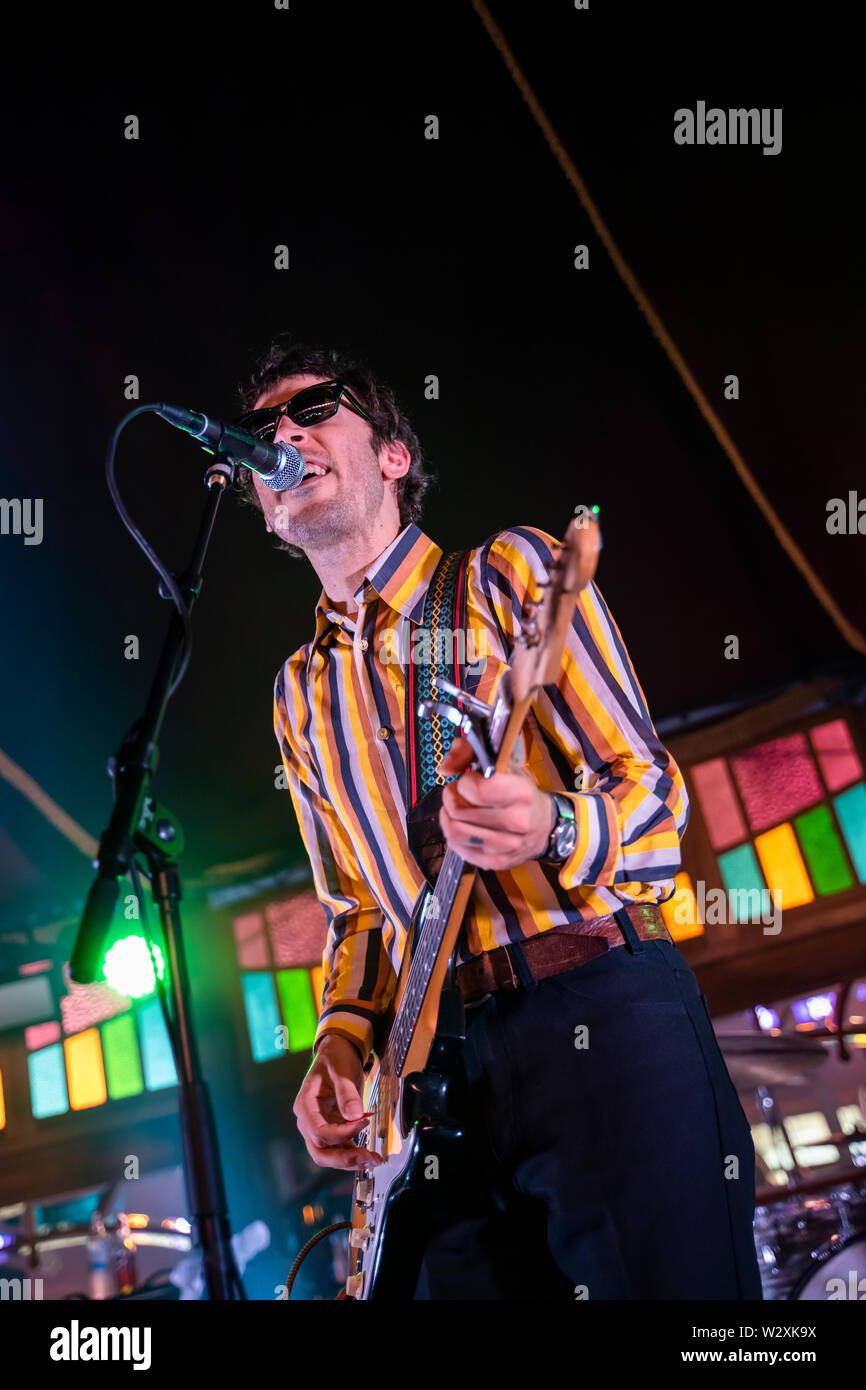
(837, 1271)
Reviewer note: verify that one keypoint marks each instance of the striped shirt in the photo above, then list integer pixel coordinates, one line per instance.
(339, 723)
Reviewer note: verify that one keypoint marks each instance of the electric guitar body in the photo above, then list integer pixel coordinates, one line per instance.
(409, 1092)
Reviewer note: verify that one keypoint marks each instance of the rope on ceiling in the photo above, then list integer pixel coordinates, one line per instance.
(851, 633)
(25, 784)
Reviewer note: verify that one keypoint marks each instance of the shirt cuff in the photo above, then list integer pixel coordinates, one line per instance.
(596, 826)
(356, 1030)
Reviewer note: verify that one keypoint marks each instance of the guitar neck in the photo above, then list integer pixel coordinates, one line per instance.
(535, 662)
(442, 918)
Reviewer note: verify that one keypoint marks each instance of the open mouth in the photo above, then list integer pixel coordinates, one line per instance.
(314, 472)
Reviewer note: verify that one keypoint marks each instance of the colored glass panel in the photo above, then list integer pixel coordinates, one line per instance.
(719, 804)
(299, 1011)
(263, 1017)
(84, 1005)
(776, 780)
(159, 1069)
(35, 967)
(252, 948)
(851, 811)
(48, 1094)
(298, 929)
(742, 878)
(783, 866)
(317, 980)
(836, 753)
(41, 1034)
(822, 850)
(122, 1059)
(84, 1070)
(680, 913)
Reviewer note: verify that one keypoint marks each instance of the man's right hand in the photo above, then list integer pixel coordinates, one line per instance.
(329, 1108)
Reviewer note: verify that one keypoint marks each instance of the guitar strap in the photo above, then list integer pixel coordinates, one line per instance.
(427, 740)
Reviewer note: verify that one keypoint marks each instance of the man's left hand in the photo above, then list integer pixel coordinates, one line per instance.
(493, 822)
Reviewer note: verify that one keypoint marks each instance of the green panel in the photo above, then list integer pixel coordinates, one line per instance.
(122, 1061)
(299, 1011)
(159, 1070)
(822, 850)
(851, 810)
(742, 873)
(263, 1016)
(48, 1094)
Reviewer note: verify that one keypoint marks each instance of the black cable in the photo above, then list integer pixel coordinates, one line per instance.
(167, 578)
(314, 1240)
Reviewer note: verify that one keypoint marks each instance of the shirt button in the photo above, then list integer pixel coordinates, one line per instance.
(383, 733)
(363, 644)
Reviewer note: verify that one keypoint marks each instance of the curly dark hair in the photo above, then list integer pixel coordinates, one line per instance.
(286, 357)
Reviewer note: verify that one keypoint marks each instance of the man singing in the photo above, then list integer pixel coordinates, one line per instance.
(607, 1153)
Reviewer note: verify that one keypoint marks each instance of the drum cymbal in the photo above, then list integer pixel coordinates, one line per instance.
(754, 1059)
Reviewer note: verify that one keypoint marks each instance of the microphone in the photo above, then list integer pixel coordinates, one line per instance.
(280, 466)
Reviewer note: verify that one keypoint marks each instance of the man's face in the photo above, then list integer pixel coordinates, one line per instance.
(352, 495)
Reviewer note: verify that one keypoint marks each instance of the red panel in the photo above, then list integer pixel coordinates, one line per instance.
(836, 754)
(41, 1034)
(777, 780)
(298, 929)
(719, 804)
(250, 941)
(84, 1005)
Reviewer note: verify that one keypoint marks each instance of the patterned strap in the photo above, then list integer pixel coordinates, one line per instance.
(436, 654)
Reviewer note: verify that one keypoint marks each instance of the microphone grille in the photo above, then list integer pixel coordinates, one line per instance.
(290, 471)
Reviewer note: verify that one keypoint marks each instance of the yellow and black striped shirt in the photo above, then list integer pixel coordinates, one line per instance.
(339, 722)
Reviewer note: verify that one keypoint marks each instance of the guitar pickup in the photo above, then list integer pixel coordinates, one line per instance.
(475, 735)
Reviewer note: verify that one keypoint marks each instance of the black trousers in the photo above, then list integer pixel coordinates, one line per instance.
(607, 1153)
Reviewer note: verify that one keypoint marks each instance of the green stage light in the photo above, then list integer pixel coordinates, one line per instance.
(129, 969)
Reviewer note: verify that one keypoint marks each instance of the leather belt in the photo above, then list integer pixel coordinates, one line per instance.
(558, 949)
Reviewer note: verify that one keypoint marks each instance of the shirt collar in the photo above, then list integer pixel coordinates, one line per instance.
(400, 576)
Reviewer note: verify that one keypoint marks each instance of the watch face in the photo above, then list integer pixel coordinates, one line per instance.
(566, 839)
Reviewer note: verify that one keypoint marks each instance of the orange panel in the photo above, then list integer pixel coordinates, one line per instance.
(317, 980)
(84, 1070)
(680, 913)
(783, 866)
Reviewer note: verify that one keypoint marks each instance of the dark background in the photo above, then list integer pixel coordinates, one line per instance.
(451, 257)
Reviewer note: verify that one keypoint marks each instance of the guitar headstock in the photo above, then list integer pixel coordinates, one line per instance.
(544, 622)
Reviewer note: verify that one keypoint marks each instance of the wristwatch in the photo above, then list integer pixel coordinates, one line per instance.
(563, 836)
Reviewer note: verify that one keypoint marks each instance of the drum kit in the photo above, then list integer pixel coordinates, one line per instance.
(810, 1236)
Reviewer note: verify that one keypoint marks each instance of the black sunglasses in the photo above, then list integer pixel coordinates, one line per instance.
(307, 407)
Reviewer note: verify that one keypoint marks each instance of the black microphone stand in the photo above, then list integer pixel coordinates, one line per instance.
(140, 824)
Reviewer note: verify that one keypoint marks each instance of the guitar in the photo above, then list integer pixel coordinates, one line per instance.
(406, 1092)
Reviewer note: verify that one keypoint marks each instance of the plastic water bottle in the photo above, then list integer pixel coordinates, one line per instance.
(98, 1254)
